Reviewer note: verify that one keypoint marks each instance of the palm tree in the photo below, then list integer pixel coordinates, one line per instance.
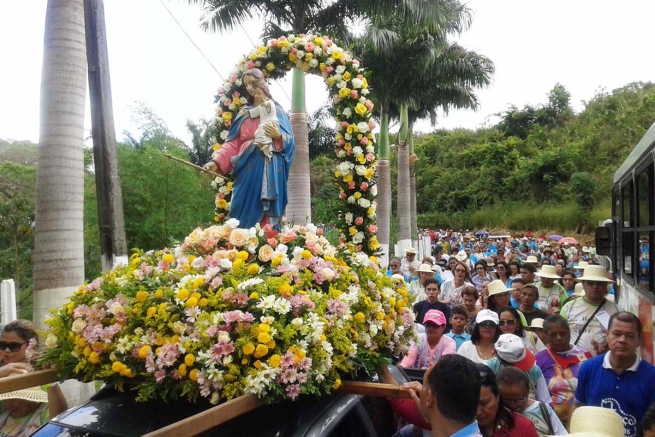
(58, 240)
(394, 49)
(328, 17)
(202, 141)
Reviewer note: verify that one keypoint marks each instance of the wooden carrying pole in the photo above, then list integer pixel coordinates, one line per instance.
(197, 167)
(243, 404)
(27, 380)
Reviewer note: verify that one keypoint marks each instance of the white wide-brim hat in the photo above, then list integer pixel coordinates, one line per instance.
(497, 287)
(410, 251)
(531, 260)
(461, 256)
(425, 268)
(34, 394)
(596, 421)
(594, 273)
(581, 265)
(547, 271)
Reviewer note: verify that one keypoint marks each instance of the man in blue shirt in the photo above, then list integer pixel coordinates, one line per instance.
(449, 397)
(619, 379)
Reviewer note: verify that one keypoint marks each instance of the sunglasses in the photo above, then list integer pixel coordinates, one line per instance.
(12, 346)
(507, 322)
(596, 283)
(487, 325)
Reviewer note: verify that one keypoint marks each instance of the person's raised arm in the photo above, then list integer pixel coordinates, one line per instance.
(56, 401)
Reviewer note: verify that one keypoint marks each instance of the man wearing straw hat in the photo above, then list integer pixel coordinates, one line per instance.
(24, 411)
(619, 379)
(588, 315)
(551, 293)
(409, 263)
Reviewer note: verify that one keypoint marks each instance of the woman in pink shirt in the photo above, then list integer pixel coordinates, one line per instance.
(432, 345)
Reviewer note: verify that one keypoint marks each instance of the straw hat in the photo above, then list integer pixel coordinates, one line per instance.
(490, 261)
(596, 421)
(537, 323)
(34, 394)
(531, 260)
(461, 256)
(579, 289)
(496, 287)
(425, 268)
(594, 273)
(547, 272)
(581, 265)
(410, 251)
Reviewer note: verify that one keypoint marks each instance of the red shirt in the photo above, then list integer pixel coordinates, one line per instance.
(523, 427)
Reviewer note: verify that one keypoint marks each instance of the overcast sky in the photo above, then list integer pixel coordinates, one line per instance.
(584, 44)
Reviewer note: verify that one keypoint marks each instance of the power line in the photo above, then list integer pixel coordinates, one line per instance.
(192, 42)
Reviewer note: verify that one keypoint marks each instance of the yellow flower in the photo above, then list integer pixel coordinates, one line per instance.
(264, 327)
(360, 317)
(80, 341)
(127, 372)
(352, 230)
(336, 384)
(358, 195)
(379, 315)
(344, 92)
(347, 178)
(136, 261)
(249, 348)
(159, 293)
(361, 159)
(283, 43)
(191, 302)
(329, 81)
(270, 345)
(274, 360)
(337, 55)
(189, 359)
(293, 57)
(216, 146)
(168, 258)
(182, 370)
(237, 263)
(322, 66)
(360, 109)
(264, 337)
(270, 66)
(346, 75)
(306, 254)
(257, 364)
(364, 83)
(373, 243)
(352, 128)
(151, 311)
(193, 375)
(229, 186)
(117, 366)
(227, 116)
(198, 282)
(260, 351)
(318, 41)
(242, 255)
(368, 174)
(143, 352)
(253, 269)
(196, 295)
(183, 294)
(254, 295)
(94, 358)
(203, 302)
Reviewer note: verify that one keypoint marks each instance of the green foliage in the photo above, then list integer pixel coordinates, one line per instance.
(582, 189)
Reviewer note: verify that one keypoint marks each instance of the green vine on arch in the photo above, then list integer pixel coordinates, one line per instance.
(354, 142)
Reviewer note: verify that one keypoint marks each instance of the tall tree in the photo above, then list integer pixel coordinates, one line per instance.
(329, 17)
(58, 242)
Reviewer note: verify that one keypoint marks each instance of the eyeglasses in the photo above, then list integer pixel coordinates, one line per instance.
(479, 268)
(13, 346)
(507, 322)
(460, 271)
(517, 402)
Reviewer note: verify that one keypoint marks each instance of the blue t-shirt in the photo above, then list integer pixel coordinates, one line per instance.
(629, 394)
(459, 338)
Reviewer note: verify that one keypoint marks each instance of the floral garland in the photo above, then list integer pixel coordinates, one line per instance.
(232, 311)
(348, 87)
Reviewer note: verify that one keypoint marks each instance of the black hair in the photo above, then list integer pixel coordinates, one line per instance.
(531, 287)
(470, 290)
(510, 309)
(475, 335)
(648, 422)
(459, 309)
(622, 316)
(519, 281)
(511, 375)
(517, 264)
(555, 319)
(504, 264)
(503, 415)
(25, 329)
(455, 382)
(431, 280)
(491, 303)
(529, 267)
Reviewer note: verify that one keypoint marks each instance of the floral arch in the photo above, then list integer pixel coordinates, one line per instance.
(354, 143)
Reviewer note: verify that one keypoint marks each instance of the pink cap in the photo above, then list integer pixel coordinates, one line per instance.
(434, 316)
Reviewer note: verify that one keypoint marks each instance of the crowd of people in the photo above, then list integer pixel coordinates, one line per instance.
(538, 324)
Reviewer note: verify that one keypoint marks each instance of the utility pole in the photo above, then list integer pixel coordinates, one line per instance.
(108, 187)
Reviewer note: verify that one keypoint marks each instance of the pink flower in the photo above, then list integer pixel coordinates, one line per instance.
(282, 38)
(353, 94)
(272, 242)
(221, 90)
(329, 69)
(370, 157)
(294, 50)
(355, 63)
(250, 64)
(160, 375)
(342, 195)
(233, 78)
(310, 245)
(341, 143)
(359, 248)
(372, 229)
(364, 186)
(351, 185)
(273, 43)
(228, 102)
(309, 47)
(236, 95)
(364, 141)
(287, 236)
(371, 125)
(349, 152)
(345, 124)
(359, 221)
(369, 105)
(293, 391)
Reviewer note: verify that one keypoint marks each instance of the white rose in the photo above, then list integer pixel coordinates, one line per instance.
(244, 100)
(227, 86)
(344, 168)
(284, 50)
(226, 264)
(330, 61)
(78, 326)
(224, 134)
(297, 252)
(282, 248)
(116, 308)
(341, 69)
(362, 126)
(227, 360)
(358, 237)
(51, 341)
(349, 217)
(357, 151)
(232, 106)
(232, 223)
(365, 92)
(341, 84)
(374, 190)
(311, 227)
(370, 149)
(364, 203)
(318, 51)
(347, 112)
(300, 53)
(179, 327)
(328, 274)
(351, 199)
(357, 83)
(348, 136)
(360, 170)
(297, 321)
(362, 100)
(313, 63)
(342, 153)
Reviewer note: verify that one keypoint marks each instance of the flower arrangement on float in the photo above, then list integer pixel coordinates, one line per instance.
(354, 142)
(232, 311)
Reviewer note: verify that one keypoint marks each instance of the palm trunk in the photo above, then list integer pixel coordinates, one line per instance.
(404, 206)
(384, 187)
(412, 185)
(58, 240)
(299, 208)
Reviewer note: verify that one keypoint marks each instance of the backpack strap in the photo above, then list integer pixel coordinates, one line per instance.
(546, 415)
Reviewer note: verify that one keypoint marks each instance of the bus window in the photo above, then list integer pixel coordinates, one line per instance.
(645, 272)
(626, 197)
(644, 194)
(628, 246)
